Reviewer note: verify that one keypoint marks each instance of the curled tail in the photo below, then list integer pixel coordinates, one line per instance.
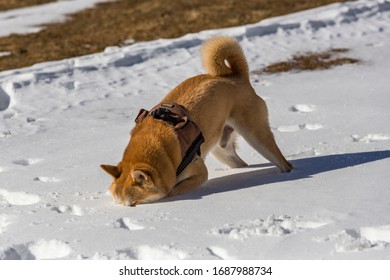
(223, 56)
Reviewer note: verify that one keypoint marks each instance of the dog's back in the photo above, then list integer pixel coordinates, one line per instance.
(212, 98)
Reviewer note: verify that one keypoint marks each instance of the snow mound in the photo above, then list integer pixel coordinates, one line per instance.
(303, 108)
(128, 224)
(38, 250)
(146, 252)
(4, 222)
(271, 226)
(19, 198)
(359, 239)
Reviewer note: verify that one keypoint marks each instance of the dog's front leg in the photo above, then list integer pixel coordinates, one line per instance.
(195, 175)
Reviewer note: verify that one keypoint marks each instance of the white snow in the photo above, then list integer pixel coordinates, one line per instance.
(60, 120)
(31, 19)
(37, 250)
(19, 198)
(303, 108)
(4, 53)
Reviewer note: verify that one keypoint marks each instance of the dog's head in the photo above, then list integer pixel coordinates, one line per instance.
(132, 186)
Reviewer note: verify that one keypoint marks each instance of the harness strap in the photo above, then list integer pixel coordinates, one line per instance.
(189, 134)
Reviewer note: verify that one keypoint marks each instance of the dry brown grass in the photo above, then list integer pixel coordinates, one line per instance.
(311, 61)
(13, 4)
(112, 23)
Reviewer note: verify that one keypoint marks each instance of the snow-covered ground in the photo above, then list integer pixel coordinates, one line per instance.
(32, 19)
(60, 120)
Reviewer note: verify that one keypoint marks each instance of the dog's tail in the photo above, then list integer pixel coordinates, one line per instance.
(223, 56)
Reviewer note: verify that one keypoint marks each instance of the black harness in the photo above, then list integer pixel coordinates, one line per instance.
(189, 135)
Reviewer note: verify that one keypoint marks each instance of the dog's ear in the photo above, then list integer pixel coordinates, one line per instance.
(141, 177)
(114, 171)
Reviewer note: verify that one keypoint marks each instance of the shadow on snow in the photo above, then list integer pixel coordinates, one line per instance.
(303, 168)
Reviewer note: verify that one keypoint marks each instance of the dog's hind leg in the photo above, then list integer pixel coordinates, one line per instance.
(225, 151)
(254, 127)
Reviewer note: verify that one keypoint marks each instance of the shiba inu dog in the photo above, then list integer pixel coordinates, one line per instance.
(212, 108)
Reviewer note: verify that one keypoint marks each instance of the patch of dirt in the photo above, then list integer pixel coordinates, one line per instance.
(112, 23)
(311, 61)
